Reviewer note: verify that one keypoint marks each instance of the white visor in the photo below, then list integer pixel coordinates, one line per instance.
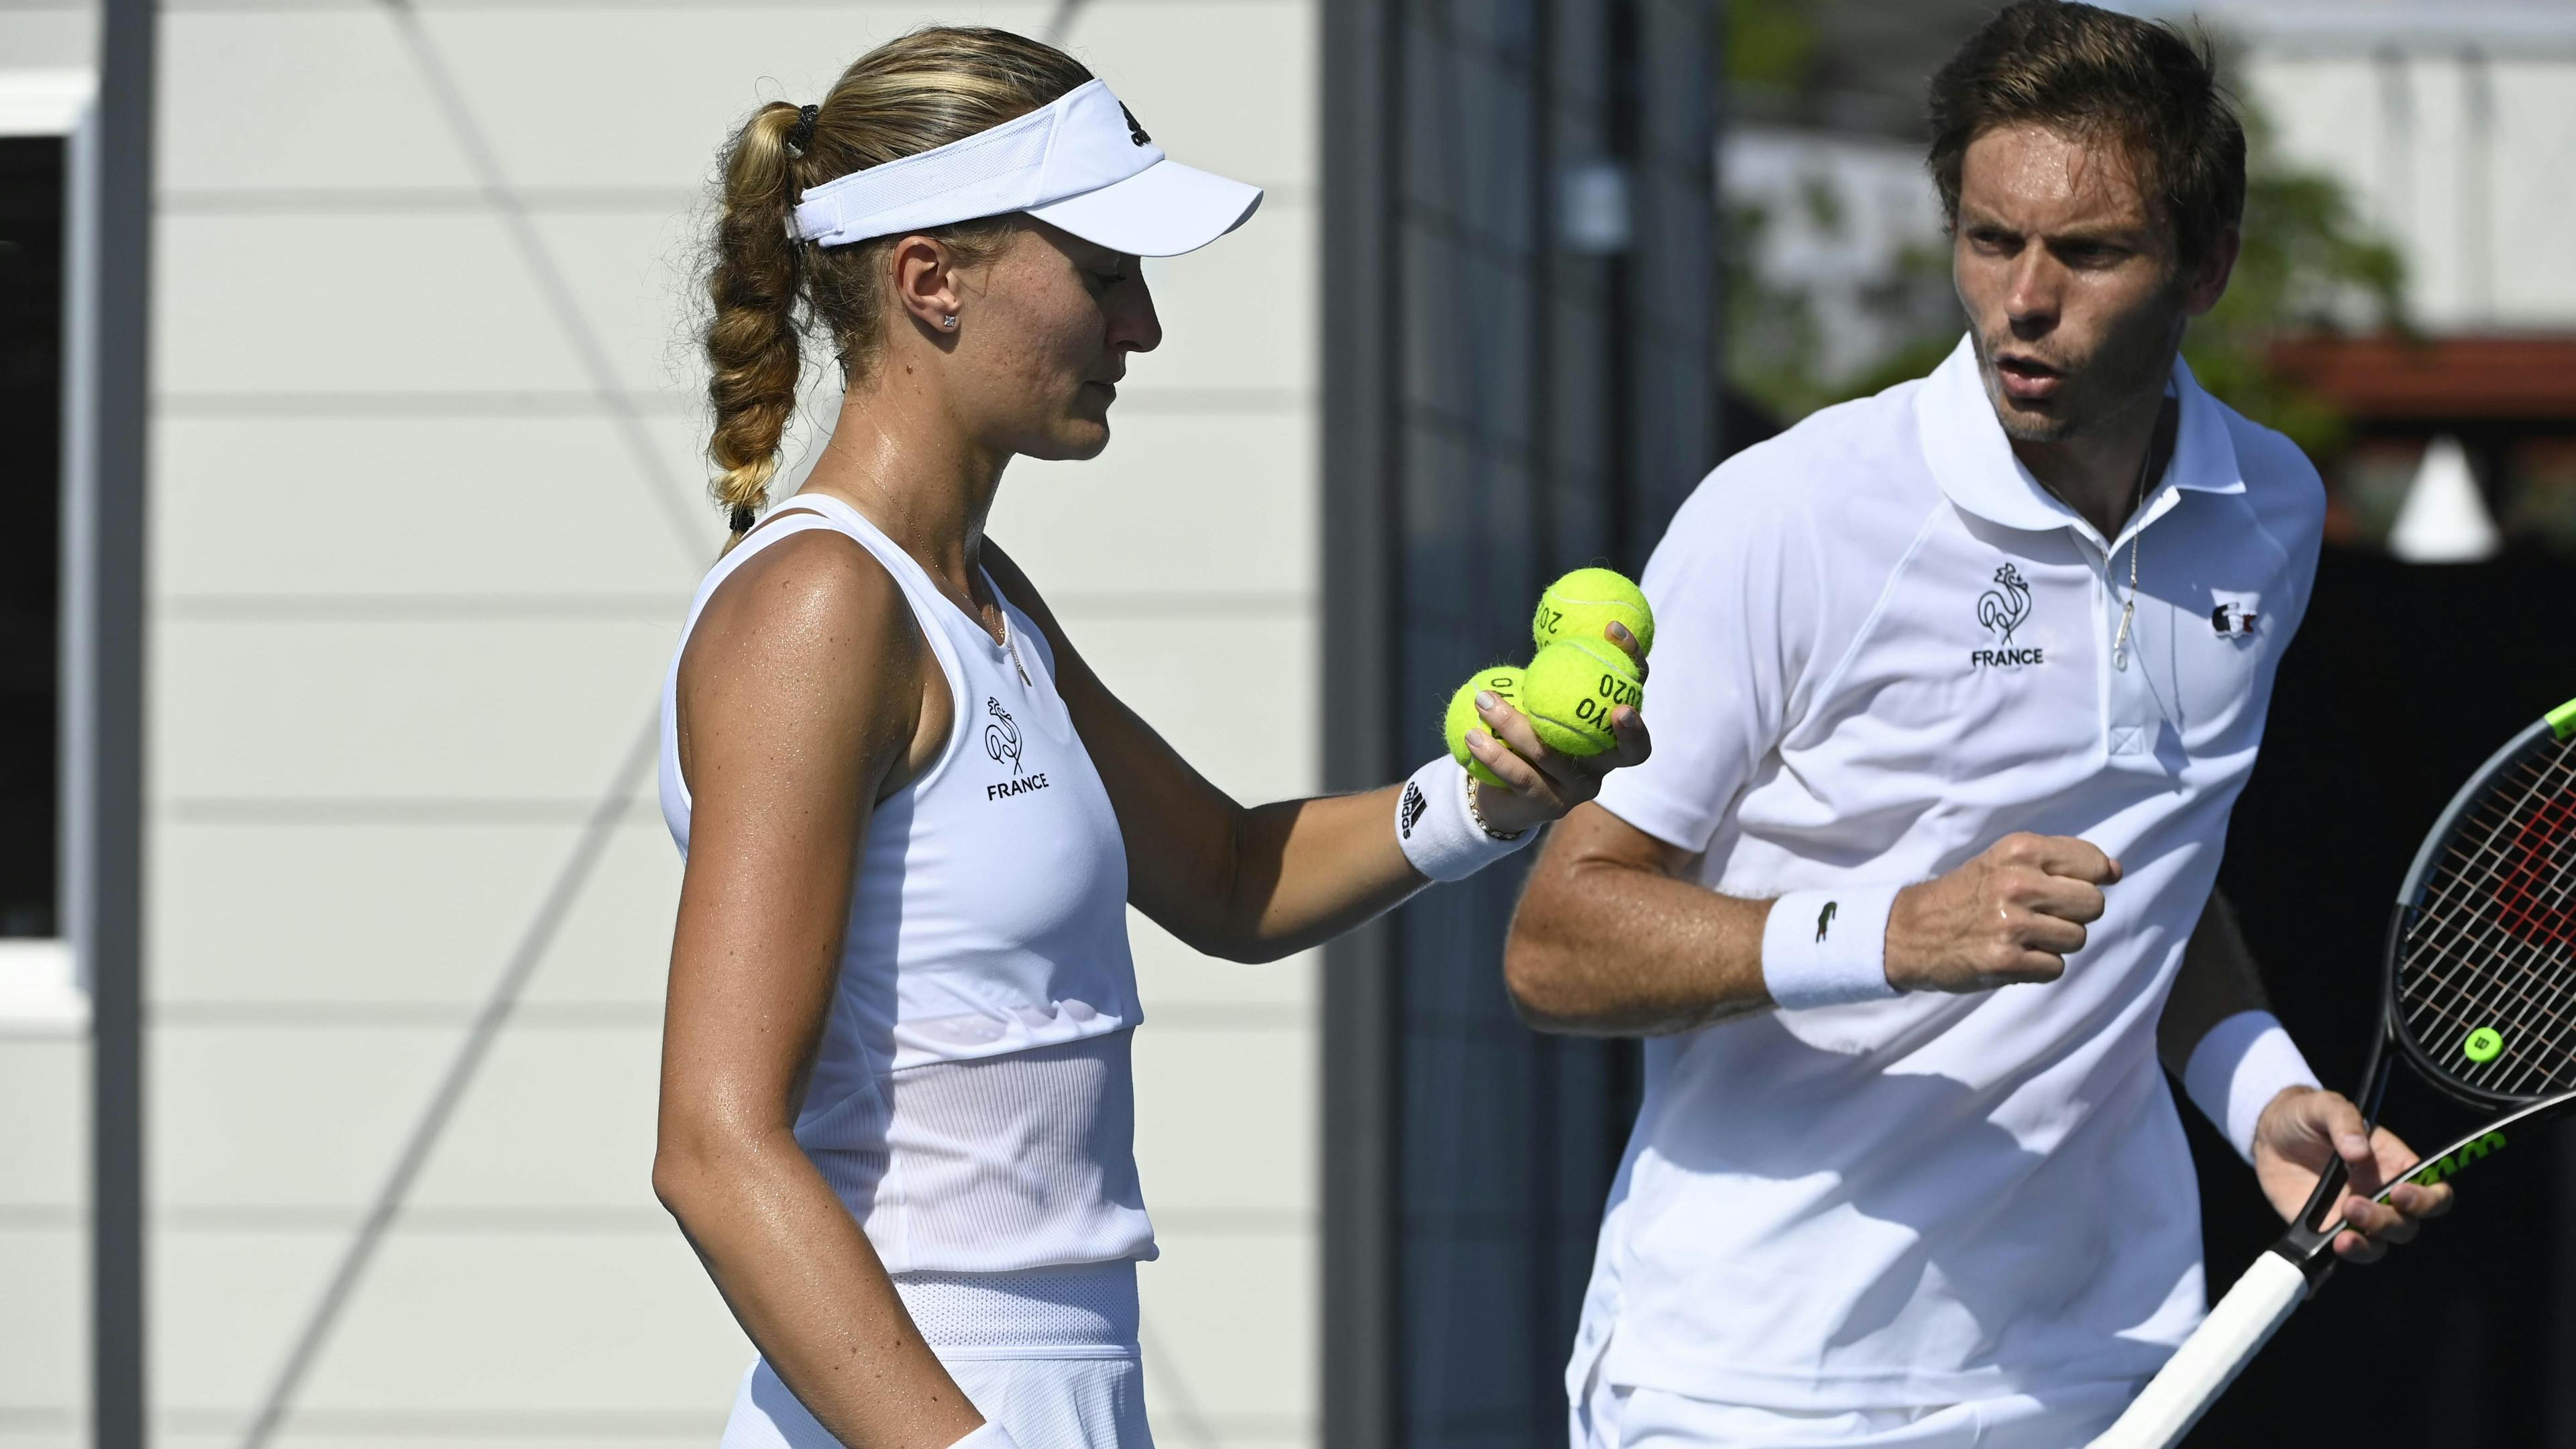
(1082, 164)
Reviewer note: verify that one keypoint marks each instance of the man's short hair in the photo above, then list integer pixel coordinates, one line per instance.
(2090, 73)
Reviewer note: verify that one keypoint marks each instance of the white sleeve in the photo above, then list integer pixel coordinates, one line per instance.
(1734, 597)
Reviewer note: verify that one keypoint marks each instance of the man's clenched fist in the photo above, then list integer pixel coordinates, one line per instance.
(2013, 914)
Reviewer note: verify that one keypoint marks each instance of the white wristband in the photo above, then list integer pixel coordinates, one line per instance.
(1829, 947)
(2236, 1071)
(991, 1436)
(1439, 833)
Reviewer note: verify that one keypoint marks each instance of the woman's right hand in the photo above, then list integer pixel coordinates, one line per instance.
(1541, 785)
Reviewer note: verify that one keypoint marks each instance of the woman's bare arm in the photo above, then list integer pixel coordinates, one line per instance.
(800, 702)
(1261, 883)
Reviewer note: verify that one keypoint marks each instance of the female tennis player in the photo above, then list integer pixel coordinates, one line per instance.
(896, 1104)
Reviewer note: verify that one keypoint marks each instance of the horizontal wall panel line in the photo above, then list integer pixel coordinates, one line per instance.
(212, 810)
(470, 406)
(467, 1219)
(665, 608)
(441, 404)
(416, 200)
(538, 7)
(1235, 1429)
(1075, 606)
(1231, 1222)
(538, 1015)
(448, 200)
(1228, 1015)
(337, 1220)
(668, 608)
(519, 1218)
(600, 1423)
(1179, 1016)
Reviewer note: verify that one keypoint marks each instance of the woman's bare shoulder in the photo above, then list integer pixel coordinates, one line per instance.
(813, 626)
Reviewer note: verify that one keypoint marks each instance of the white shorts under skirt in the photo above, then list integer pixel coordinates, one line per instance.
(1623, 1418)
(1049, 1355)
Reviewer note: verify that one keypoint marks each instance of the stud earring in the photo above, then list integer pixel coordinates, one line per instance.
(948, 322)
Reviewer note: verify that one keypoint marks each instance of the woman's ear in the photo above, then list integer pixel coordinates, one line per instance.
(926, 283)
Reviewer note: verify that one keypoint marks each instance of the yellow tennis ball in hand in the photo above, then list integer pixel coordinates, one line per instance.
(1569, 690)
(1502, 679)
(1586, 601)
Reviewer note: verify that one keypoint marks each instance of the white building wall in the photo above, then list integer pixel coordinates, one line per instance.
(425, 511)
(2453, 124)
(44, 1055)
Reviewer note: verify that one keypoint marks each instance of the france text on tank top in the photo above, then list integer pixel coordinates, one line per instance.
(971, 1100)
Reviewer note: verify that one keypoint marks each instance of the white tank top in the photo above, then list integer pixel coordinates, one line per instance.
(972, 1101)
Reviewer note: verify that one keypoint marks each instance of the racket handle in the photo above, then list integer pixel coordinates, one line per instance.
(2210, 1359)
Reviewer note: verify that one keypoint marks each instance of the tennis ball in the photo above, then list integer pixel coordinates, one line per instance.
(1569, 690)
(1502, 679)
(1586, 601)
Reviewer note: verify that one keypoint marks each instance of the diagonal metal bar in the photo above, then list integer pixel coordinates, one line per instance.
(524, 959)
(688, 524)
(1058, 30)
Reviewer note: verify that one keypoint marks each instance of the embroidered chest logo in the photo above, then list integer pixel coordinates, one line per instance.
(1002, 742)
(1825, 920)
(2233, 621)
(2003, 609)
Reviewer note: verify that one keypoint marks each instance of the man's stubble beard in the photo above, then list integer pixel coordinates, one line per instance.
(2128, 368)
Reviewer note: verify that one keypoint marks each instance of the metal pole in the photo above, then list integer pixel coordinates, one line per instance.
(108, 916)
(1362, 1406)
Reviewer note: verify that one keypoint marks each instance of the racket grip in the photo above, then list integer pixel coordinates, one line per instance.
(2210, 1359)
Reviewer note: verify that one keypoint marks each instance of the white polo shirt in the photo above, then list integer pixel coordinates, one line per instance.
(1881, 646)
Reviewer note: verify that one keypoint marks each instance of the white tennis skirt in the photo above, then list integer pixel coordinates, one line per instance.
(1050, 1355)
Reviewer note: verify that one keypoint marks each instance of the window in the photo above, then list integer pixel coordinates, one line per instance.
(41, 118)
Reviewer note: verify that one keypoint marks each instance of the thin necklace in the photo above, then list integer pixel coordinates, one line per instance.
(2129, 610)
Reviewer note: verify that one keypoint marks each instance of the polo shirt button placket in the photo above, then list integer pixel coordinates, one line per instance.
(2136, 717)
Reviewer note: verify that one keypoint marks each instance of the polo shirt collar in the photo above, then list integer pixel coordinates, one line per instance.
(1973, 461)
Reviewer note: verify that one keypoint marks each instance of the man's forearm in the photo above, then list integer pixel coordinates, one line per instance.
(1613, 949)
(2217, 980)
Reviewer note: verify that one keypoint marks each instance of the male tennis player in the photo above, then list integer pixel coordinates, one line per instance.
(1955, 688)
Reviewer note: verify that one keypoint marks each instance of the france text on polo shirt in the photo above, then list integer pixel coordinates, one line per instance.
(1882, 646)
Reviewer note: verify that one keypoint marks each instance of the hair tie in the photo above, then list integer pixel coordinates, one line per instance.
(801, 135)
(741, 519)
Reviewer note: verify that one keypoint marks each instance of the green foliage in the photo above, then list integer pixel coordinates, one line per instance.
(2309, 264)
(1770, 44)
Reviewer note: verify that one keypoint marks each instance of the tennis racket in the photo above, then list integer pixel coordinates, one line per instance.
(2480, 1001)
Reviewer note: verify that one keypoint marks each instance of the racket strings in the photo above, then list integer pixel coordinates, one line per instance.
(2478, 971)
(2475, 968)
(2505, 960)
(2492, 948)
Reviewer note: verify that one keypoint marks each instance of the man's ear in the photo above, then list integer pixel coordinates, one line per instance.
(924, 272)
(2209, 279)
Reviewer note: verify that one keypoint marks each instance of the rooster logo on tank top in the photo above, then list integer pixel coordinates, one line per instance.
(1002, 736)
(1002, 742)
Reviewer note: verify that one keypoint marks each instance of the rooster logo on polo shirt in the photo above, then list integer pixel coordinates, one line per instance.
(2004, 606)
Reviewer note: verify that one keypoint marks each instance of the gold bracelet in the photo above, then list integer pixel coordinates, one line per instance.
(1479, 816)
